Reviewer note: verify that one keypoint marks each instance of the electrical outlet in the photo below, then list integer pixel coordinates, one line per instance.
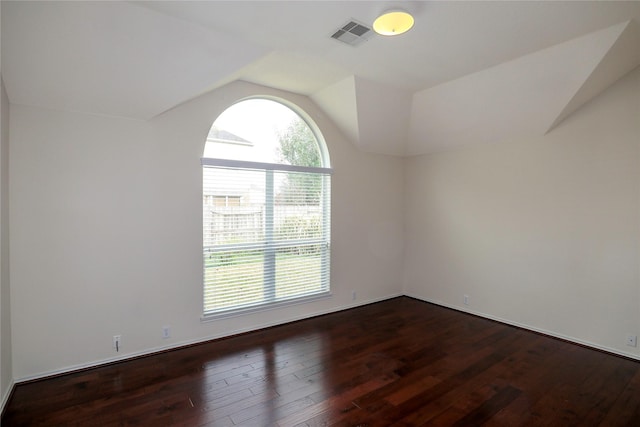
(166, 332)
(353, 295)
(466, 299)
(632, 340)
(117, 342)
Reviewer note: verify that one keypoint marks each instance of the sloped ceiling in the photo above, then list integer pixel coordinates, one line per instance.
(467, 73)
(525, 96)
(111, 57)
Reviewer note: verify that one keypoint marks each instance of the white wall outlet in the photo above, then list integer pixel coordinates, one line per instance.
(166, 332)
(117, 342)
(353, 295)
(632, 340)
(466, 299)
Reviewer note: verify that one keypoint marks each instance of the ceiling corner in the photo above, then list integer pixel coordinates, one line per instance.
(338, 101)
(622, 57)
(374, 116)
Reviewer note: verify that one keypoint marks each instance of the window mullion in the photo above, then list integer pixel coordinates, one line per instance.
(266, 211)
(270, 253)
(326, 228)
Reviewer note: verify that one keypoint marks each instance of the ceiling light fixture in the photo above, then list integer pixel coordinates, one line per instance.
(393, 23)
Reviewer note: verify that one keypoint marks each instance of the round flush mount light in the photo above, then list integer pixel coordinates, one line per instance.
(393, 23)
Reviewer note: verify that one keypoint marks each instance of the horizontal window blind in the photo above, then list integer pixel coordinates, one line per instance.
(266, 234)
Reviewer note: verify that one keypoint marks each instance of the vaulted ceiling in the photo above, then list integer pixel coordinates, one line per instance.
(467, 73)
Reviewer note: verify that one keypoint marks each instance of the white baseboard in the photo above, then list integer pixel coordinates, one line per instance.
(6, 396)
(527, 327)
(150, 351)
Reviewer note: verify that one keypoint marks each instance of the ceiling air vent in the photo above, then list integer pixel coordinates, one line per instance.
(353, 33)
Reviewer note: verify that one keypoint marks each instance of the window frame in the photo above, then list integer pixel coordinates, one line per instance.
(325, 173)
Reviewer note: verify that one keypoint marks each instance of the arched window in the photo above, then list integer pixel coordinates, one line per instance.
(266, 208)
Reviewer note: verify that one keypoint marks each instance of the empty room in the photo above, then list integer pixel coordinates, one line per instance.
(314, 213)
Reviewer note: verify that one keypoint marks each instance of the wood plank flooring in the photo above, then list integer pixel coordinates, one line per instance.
(401, 362)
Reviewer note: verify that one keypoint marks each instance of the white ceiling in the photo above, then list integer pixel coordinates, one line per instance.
(467, 73)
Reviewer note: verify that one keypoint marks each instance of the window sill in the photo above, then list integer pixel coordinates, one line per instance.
(263, 307)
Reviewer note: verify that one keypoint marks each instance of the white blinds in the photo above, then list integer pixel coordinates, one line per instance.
(266, 233)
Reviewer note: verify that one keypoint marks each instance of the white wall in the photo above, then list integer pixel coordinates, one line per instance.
(106, 231)
(106, 214)
(6, 375)
(542, 232)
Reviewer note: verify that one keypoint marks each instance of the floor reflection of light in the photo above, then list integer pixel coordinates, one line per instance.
(223, 388)
(302, 365)
(265, 384)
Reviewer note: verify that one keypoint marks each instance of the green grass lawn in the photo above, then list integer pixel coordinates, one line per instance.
(232, 281)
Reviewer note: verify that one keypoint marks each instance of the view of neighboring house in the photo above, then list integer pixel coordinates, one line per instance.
(233, 209)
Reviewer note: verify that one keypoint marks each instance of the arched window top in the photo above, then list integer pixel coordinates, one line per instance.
(267, 131)
(266, 186)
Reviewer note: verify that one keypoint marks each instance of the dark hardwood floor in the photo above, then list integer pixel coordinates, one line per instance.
(400, 362)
